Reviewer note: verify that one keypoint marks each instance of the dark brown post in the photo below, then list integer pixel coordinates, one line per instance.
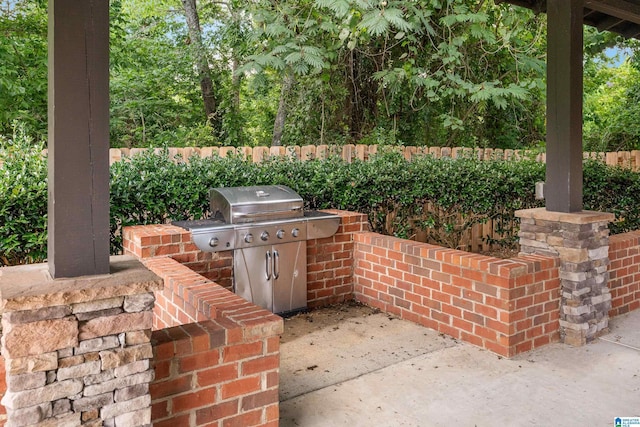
(563, 190)
(78, 137)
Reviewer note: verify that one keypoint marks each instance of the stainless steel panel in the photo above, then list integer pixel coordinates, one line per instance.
(270, 233)
(250, 204)
(273, 277)
(321, 224)
(215, 239)
(251, 278)
(290, 277)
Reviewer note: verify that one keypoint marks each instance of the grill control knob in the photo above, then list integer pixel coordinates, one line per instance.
(264, 236)
(248, 237)
(280, 234)
(295, 232)
(214, 242)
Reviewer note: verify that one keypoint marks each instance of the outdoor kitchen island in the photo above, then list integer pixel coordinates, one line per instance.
(267, 228)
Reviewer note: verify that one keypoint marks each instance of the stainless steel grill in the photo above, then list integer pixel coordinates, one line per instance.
(267, 228)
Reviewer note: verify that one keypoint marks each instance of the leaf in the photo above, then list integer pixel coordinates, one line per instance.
(374, 23)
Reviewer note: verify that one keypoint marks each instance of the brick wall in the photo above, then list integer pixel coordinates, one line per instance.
(329, 267)
(149, 241)
(330, 262)
(216, 355)
(624, 272)
(507, 306)
(213, 374)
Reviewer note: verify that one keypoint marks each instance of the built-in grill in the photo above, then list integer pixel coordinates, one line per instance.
(266, 227)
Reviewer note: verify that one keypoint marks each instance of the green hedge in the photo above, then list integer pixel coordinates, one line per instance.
(152, 188)
(23, 200)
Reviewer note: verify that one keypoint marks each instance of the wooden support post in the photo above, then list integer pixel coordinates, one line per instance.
(563, 190)
(78, 221)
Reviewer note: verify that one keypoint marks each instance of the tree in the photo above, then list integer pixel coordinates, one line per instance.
(23, 74)
(201, 61)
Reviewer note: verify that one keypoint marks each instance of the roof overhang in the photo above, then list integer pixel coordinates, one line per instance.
(618, 16)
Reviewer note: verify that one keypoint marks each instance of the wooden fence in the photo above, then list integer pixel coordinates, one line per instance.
(349, 152)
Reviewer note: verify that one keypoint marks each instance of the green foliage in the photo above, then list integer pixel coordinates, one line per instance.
(615, 190)
(393, 192)
(23, 73)
(612, 108)
(154, 98)
(23, 199)
(443, 198)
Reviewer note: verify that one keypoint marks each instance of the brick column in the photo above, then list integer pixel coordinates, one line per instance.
(78, 351)
(581, 240)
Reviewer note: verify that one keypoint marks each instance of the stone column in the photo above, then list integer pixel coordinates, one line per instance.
(78, 351)
(581, 241)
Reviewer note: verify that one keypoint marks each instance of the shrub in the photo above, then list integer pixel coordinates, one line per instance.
(613, 189)
(23, 207)
(441, 198)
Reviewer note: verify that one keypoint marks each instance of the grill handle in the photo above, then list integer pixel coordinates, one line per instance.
(268, 265)
(250, 216)
(276, 264)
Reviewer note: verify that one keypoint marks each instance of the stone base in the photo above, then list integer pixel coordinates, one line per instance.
(581, 240)
(78, 351)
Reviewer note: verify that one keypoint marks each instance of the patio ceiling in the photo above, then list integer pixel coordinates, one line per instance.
(618, 16)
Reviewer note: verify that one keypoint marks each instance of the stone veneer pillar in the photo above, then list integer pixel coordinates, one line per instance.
(77, 351)
(581, 241)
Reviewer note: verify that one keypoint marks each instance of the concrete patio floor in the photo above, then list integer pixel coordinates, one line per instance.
(354, 366)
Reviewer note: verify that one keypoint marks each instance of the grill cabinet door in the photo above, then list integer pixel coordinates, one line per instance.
(290, 277)
(273, 277)
(252, 275)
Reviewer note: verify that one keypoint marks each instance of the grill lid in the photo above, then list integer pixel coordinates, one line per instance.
(257, 203)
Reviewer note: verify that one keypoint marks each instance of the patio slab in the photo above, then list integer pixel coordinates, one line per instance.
(458, 384)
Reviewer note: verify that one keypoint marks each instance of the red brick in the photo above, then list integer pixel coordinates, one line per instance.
(498, 349)
(452, 269)
(259, 400)
(503, 328)
(440, 317)
(486, 311)
(174, 421)
(473, 317)
(273, 413)
(439, 296)
(217, 374)
(198, 399)
(273, 379)
(485, 333)
(262, 364)
(451, 290)
(472, 339)
(216, 412)
(472, 295)
(462, 303)
(159, 410)
(462, 324)
(170, 387)
(524, 346)
(242, 351)
(162, 369)
(248, 419)
(454, 311)
(241, 386)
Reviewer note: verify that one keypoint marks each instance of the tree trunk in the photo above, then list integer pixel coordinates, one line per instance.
(235, 84)
(202, 64)
(281, 116)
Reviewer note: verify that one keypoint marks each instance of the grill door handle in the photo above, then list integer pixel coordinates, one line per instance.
(268, 265)
(276, 264)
